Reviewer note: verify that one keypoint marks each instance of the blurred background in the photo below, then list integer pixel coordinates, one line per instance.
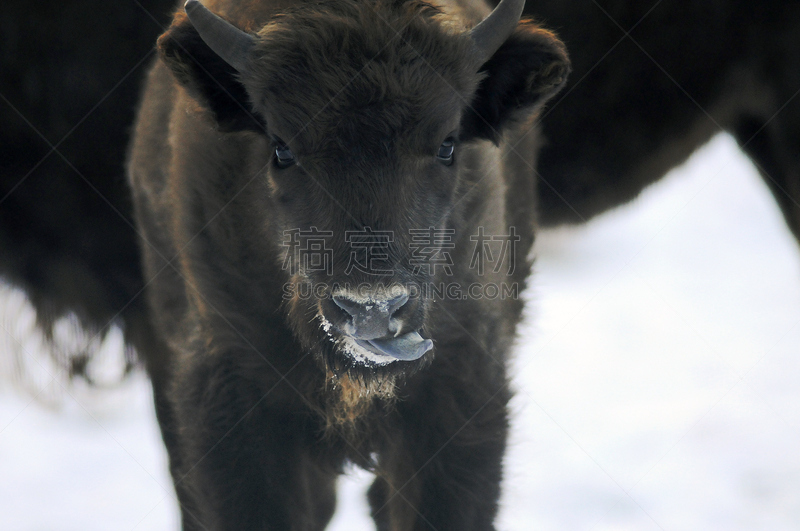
(657, 384)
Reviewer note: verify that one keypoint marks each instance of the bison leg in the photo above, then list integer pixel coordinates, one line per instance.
(247, 463)
(774, 148)
(443, 472)
(158, 360)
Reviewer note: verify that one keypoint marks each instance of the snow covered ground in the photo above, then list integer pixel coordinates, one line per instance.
(657, 379)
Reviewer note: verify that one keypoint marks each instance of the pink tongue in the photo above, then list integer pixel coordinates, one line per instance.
(407, 347)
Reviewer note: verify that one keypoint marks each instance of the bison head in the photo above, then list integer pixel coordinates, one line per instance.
(372, 114)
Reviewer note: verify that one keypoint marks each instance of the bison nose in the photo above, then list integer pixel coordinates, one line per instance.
(371, 318)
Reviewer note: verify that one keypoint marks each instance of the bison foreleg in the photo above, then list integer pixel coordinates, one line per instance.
(443, 472)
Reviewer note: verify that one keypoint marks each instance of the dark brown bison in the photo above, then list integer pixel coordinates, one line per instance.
(652, 82)
(71, 76)
(388, 135)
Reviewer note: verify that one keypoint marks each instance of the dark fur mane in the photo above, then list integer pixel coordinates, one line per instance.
(369, 85)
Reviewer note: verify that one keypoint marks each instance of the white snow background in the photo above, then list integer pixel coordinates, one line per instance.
(657, 380)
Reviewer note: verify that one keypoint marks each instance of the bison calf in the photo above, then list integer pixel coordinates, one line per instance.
(336, 207)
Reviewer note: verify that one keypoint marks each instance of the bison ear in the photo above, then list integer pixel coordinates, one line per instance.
(207, 77)
(527, 70)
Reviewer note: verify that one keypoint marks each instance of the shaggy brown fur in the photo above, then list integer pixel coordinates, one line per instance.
(351, 400)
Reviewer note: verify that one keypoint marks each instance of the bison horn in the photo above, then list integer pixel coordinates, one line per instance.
(226, 40)
(493, 31)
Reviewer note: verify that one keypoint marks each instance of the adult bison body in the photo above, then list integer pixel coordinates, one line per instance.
(652, 82)
(389, 135)
(66, 105)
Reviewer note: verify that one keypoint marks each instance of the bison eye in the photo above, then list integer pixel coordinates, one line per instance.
(283, 155)
(445, 154)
